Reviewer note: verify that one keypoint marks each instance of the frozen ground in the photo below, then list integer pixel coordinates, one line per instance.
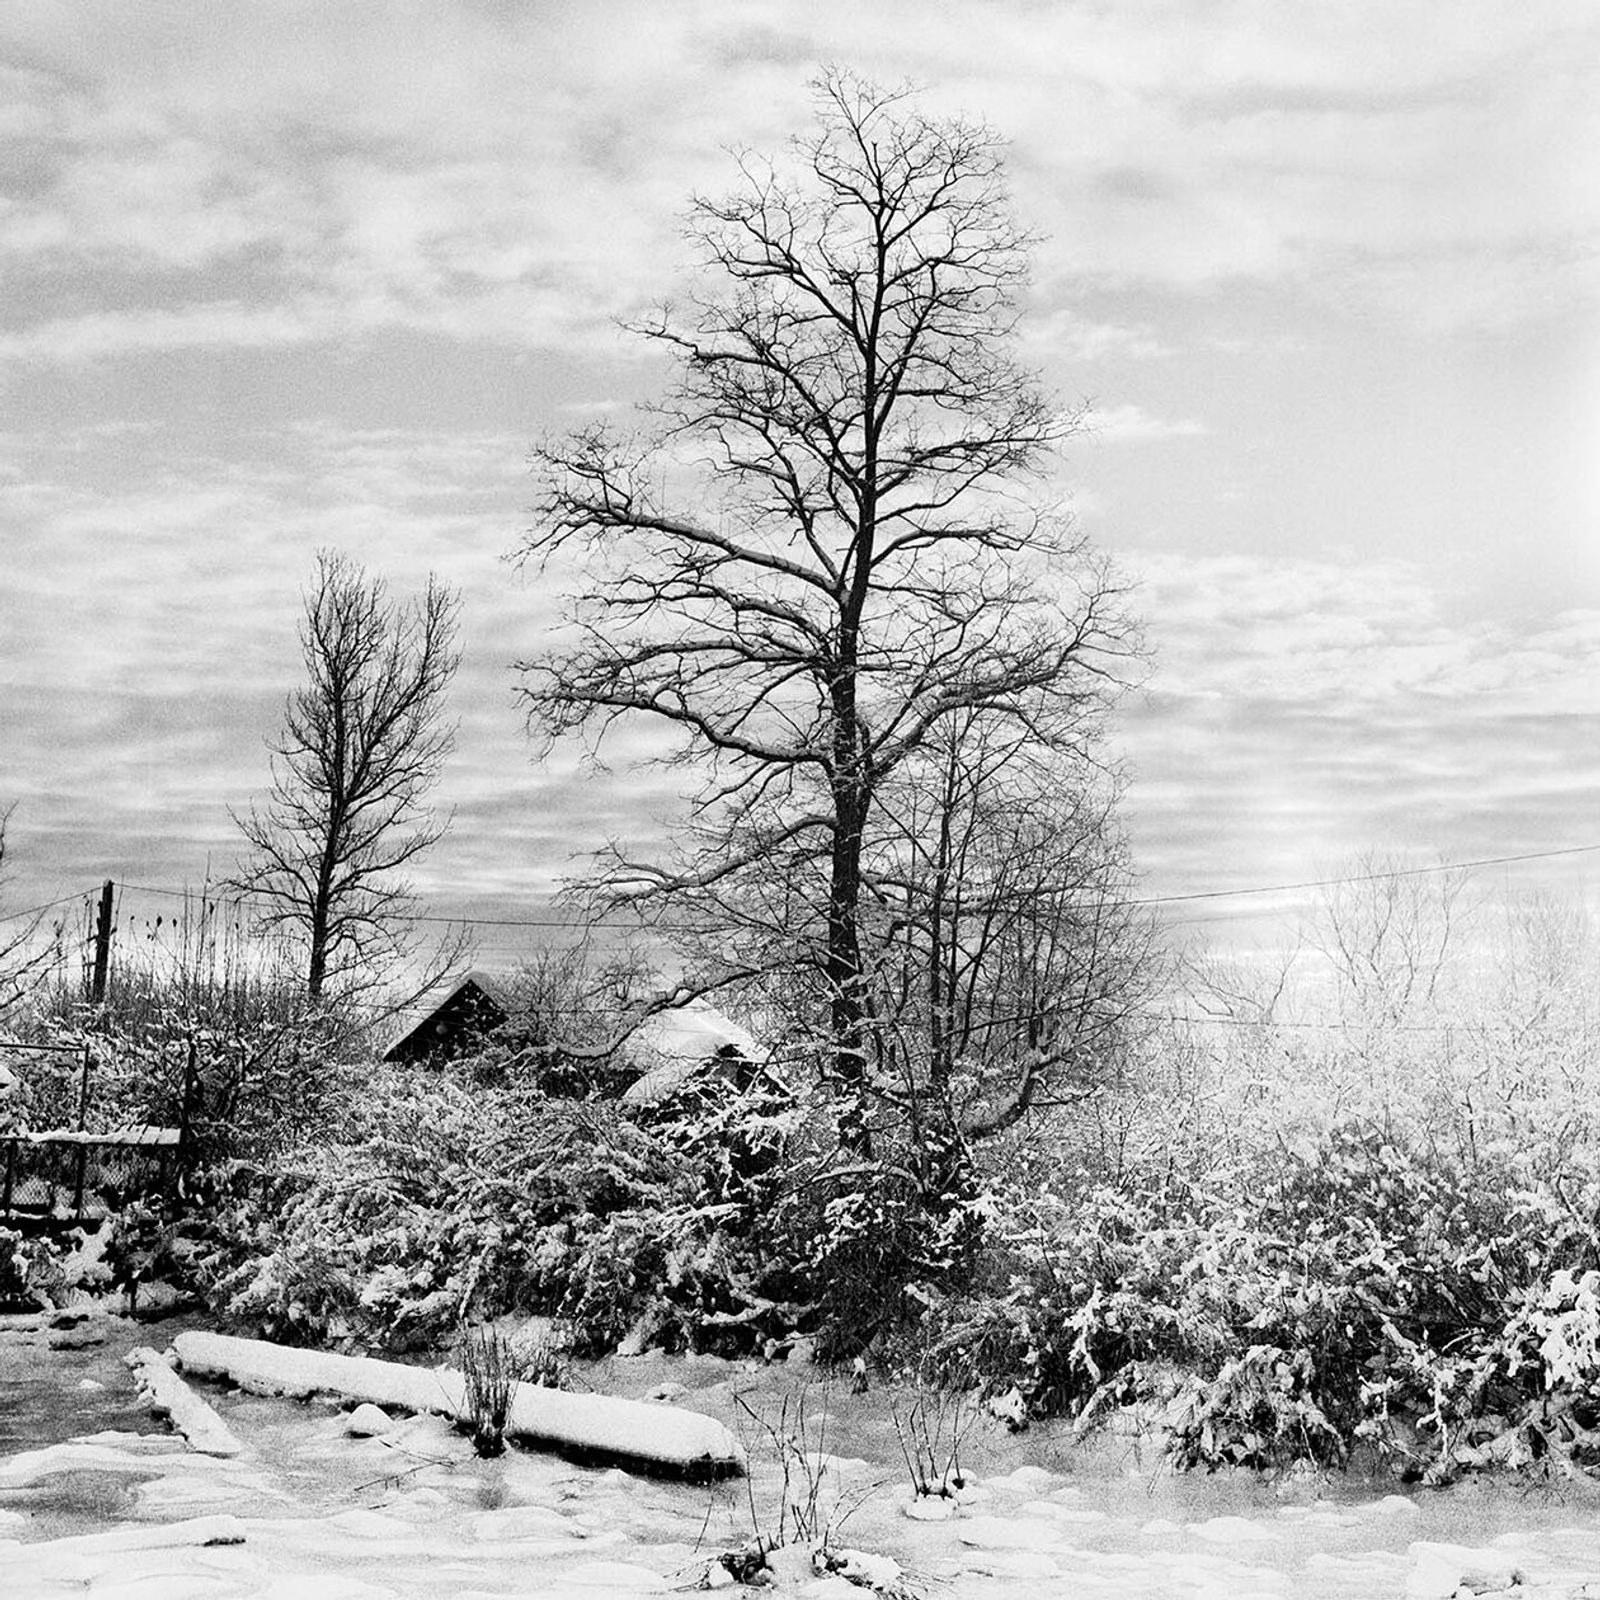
(310, 1512)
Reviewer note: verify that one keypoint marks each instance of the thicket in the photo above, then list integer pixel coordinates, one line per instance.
(1349, 1216)
(1351, 1221)
(691, 1224)
(203, 1026)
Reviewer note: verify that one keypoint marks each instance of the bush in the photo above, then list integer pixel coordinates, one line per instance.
(14, 1291)
(1352, 1295)
(32, 1272)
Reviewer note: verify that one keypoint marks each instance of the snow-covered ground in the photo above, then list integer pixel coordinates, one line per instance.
(310, 1511)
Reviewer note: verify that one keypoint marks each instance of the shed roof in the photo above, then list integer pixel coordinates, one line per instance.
(477, 998)
(672, 1045)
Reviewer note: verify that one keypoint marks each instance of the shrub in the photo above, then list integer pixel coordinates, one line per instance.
(491, 1368)
(1351, 1294)
(14, 1291)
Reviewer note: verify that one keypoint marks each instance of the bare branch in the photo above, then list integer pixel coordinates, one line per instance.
(362, 744)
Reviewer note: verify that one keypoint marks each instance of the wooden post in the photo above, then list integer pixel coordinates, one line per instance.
(11, 1175)
(83, 1093)
(102, 944)
(191, 1093)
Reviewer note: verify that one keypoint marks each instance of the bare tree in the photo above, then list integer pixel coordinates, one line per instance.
(1012, 961)
(851, 424)
(362, 745)
(24, 960)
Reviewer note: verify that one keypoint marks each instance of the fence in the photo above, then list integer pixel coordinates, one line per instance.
(68, 1171)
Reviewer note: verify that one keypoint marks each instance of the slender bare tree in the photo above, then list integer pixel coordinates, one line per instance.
(859, 570)
(363, 744)
(25, 959)
(1010, 958)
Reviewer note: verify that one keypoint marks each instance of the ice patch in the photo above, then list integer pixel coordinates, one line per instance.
(523, 1522)
(194, 1491)
(1229, 1530)
(617, 1578)
(1439, 1570)
(832, 1588)
(1074, 1516)
(371, 1525)
(1394, 1504)
(1005, 1533)
(1011, 1564)
(1025, 1480)
(160, 1583)
(322, 1586)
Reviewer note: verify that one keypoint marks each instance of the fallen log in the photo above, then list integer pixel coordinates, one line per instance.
(655, 1436)
(169, 1396)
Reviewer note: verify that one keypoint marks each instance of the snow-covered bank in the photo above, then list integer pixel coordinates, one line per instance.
(413, 1514)
(324, 1516)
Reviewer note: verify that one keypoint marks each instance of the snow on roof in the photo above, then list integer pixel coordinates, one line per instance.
(671, 1045)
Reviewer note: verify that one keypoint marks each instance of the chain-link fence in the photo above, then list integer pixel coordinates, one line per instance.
(51, 1162)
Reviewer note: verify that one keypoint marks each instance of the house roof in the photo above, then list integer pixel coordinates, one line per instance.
(667, 1048)
(671, 1045)
(434, 1010)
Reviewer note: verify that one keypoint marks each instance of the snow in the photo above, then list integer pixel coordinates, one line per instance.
(171, 1397)
(144, 1133)
(667, 1436)
(584, 1534)
(368, 1421)
(413, 1514)
(672, 1045)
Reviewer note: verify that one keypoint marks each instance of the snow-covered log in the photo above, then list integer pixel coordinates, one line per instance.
(168, 1395)
(654, 1435)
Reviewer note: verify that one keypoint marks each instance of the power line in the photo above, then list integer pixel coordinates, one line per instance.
(1137, 902)
(49, 905)
(1366, 877)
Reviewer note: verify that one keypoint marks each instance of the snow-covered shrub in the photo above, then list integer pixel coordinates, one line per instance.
(1355, 1293)
(32, 1272)
(446, 1201)
(13, 1272)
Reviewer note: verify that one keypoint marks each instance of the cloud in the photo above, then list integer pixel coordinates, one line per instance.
(1302, 712)
(1062, 331)
(1118, 423)
(516, 175)
(277, 230)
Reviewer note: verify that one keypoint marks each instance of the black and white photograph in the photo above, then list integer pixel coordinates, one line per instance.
(800, 800)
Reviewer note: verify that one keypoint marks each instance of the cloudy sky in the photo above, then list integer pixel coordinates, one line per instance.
(288, 276)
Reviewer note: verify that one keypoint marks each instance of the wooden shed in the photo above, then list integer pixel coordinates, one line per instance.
(455, 1023)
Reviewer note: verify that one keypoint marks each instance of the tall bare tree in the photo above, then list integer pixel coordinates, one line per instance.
(858, 571)
(363, 744)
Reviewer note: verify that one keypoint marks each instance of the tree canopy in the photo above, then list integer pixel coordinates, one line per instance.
(819, 569)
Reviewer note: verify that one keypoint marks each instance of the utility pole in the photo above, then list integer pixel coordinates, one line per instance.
(102, 944)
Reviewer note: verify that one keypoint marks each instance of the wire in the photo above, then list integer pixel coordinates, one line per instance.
(1366, 877)
(1138, 902)
(49, 905)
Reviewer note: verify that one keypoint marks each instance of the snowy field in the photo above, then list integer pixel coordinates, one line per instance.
(309, 1510)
